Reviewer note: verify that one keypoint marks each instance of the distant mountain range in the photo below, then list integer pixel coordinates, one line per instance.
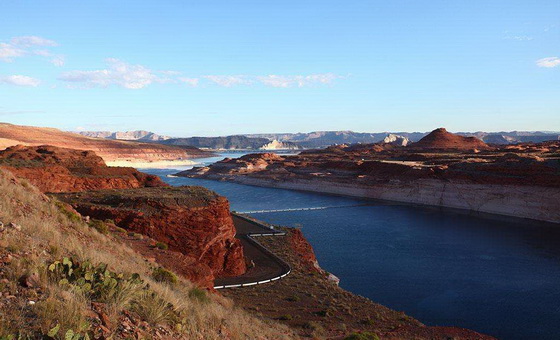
(139, 135)
(321, 139)
(316, 139)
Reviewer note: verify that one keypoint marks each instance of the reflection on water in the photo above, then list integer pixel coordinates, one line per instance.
(495, 275)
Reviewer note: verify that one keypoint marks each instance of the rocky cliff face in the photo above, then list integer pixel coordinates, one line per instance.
(54, 169)
(190, 220)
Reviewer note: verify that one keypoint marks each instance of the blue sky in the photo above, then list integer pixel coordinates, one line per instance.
(187, 68)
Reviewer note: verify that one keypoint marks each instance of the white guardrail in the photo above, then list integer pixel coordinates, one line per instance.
(282, 263)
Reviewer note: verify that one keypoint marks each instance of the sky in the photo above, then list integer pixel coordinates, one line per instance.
(207, 68)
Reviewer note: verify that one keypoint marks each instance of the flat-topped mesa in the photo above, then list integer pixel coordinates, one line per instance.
(192, 220)
(441, 139)
(55, 169)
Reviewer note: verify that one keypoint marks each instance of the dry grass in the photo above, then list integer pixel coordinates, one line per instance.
(48, 233)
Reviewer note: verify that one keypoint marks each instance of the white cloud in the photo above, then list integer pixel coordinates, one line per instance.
(297, 80)
(548, 62)
(32, 40)
(229, 81)
(58, 60)
(131, 76)
(274, 80)
(189, 81)
(22, 46)
(19, 80)
(117, 73)
(9, 52)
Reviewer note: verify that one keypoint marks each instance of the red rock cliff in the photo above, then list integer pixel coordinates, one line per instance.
(54, 169)
(191, 220)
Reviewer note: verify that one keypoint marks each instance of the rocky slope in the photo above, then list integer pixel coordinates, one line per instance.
(54, 169)
(109, 150)
(60, 278)
(191, 220)
(442, 170)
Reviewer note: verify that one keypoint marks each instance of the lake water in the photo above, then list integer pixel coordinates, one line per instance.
(499, 276)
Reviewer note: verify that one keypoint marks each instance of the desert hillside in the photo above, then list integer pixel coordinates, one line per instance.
(109, 150)
(64, 278)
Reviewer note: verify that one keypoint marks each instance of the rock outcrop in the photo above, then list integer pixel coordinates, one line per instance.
(440, 139)
(55, 169)
(277, 145)
(190, 220)
(396, 140)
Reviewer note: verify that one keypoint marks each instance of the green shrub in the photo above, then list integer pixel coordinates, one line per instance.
(286, 317)
(72, 216)
(293, 298)
(362, 336)
(120, 230)
(161, 274)
(199, 294)
(100, 226)
(161, 245)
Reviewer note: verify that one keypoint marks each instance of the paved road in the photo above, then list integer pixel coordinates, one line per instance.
(267, 265)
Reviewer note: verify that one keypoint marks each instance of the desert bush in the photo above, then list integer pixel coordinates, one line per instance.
(161, 274)
(152, 309)
(161, 245)
(362, 336)
(100, 226)
(198, 295)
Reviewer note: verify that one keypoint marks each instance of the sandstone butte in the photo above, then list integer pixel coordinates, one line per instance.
(194, 222)
(109, 150)
(442, 169)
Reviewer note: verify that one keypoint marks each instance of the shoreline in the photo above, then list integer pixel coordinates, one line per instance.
(498, 200)
(143, 164)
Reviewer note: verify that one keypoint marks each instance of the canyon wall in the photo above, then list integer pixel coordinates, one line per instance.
(539, 203)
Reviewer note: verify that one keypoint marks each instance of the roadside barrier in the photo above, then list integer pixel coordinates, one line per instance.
(285, 266)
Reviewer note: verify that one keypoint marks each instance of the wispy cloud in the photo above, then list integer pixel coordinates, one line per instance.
(23, 46)
(123, 74)
(32, 40)
(228, 81)
(117, 73)
(189, 81)
(18, 112)
(298, 80)
(519, 37)
(548, 62)
(19, 80)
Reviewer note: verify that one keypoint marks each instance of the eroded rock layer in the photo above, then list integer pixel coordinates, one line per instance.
(190, 220)
(54, 169)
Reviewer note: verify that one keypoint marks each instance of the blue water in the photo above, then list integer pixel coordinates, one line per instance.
(499, 276)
